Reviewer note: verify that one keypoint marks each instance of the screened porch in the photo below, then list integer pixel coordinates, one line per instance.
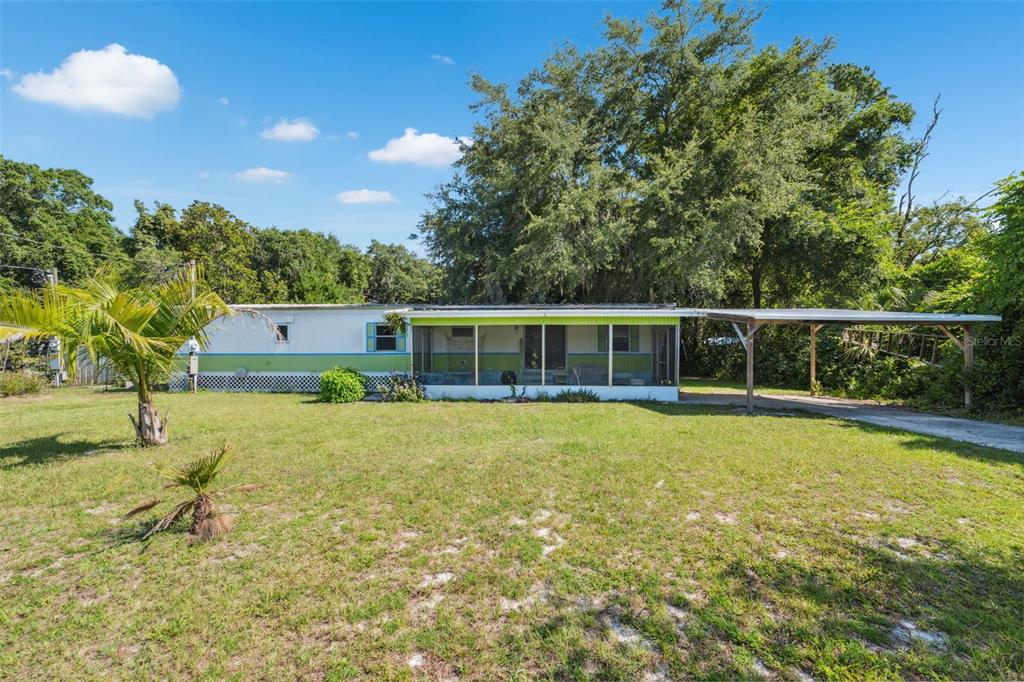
(545, 355)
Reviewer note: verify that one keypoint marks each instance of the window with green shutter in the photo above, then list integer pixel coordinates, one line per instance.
(380, 338)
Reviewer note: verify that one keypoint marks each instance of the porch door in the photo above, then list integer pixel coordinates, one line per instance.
(554, 341)
(422, 349)
(664, 355)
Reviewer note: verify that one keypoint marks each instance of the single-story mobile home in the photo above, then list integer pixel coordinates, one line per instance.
(620, 352)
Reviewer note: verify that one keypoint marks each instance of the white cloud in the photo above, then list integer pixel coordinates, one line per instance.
(366, 196)
(262, 174)
(7, 73)
(352, 135)
(224, 101)
(426, 149)
(108, 80)
(443, 59)
(203, 174)
(297, 130)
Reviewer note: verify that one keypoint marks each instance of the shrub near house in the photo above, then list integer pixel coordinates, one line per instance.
(342, 385)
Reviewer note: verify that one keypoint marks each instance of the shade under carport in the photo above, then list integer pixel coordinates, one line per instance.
(754, 318)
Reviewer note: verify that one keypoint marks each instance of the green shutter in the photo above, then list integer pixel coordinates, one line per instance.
(602, 338)
(634, 338)
(371, 337)
(400, 341)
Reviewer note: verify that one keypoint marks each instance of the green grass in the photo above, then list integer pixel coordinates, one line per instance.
(698, 385)
(506, 540)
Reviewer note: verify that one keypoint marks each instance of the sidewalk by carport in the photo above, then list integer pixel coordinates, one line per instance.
(991, 435)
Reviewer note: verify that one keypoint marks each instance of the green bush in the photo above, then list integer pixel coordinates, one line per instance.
(401, 388)
(580, 395)
(342, 385)
(22, 383)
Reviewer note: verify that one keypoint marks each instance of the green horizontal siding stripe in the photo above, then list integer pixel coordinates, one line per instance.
(506, 321)
(303, 362)
(620, 362)
(456, 362)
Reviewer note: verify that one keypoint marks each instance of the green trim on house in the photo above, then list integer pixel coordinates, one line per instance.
(458, 362)
(639, 362)
(303, 362)
(507, 321)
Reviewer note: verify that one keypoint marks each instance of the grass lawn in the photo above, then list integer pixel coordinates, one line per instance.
(498, 540)
(699, 385)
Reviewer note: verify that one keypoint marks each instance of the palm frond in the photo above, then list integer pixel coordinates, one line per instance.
(168, 520)
(200, 473)
(145, 506)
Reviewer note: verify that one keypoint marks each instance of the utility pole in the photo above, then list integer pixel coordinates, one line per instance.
(55, 341)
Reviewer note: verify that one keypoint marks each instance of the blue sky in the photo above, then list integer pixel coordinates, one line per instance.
(361, 74)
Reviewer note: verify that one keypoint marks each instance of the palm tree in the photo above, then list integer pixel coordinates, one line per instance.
(137, 331)
(198, 475)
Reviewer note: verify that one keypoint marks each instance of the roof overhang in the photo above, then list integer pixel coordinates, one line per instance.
(842, 316)
(548, 312)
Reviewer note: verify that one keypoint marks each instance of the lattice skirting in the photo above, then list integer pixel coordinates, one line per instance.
(267, 383)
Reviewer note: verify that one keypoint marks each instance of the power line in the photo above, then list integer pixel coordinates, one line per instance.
(22, 267)
(91, 253)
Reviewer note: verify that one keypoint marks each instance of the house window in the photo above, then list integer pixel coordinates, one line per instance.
(385, 339)
(625, 338)
(381, 337)
(282, 333)
(462, 332)
(620, 338)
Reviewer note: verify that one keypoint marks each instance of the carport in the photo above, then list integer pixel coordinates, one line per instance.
(746, 322)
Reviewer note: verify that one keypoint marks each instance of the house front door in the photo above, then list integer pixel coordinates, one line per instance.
(554, 340)
(664, 355)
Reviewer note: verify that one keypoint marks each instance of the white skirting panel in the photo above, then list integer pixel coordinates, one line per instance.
(660, 393)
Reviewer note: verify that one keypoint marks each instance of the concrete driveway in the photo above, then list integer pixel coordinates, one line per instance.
(967, 430)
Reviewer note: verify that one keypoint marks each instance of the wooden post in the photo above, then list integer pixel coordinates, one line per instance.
(814, 358)
(543, 351)
(750, 367)
(476, 355)
(968, 348)
(610, 362)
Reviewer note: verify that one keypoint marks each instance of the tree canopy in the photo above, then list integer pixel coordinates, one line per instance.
(675, 162)
(52, 218)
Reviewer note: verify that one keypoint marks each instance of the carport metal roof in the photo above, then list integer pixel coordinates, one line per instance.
(841, 316)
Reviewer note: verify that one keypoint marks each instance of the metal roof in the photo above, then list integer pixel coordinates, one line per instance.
(839, 315)
(319, 306)
(656, 310)
(751, 315)
(539, 310)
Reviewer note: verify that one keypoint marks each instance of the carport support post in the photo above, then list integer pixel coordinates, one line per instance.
(968, 363)
(967, 348)
(749, 343)
(476, 355)
(814, 358)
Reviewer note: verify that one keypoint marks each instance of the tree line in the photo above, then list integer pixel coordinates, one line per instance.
(53, 219)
